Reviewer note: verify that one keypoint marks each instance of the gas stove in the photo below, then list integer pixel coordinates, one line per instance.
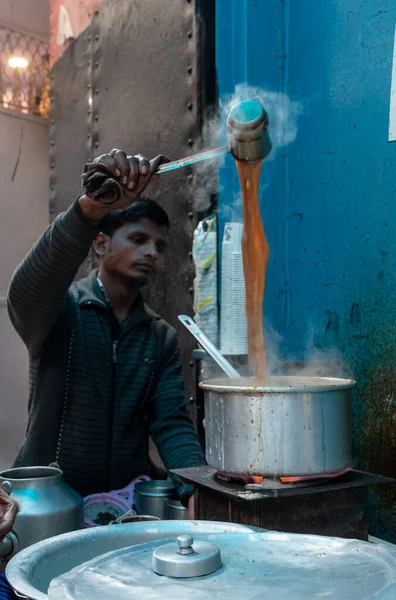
(328, 505)
(247, 487)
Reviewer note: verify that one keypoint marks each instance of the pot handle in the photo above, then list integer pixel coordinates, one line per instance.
(54, 465)
(129, 513)
(9, 546)
(6, 486)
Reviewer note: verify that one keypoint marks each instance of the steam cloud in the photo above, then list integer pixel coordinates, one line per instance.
(282, 112)
(316, 362)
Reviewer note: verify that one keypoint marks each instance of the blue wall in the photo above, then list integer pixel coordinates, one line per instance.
(329, 203)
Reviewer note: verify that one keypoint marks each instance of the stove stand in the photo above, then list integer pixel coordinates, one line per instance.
(334, 507)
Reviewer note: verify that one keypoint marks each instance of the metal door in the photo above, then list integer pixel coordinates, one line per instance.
(130, 81)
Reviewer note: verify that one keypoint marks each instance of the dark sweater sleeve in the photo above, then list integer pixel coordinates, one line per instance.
(6, 591)
(170, 426)
(38, 288)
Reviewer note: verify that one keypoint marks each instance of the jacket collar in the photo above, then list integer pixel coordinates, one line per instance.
(89, 292)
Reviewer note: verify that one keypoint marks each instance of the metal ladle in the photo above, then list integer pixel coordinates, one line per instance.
(209, 347)
(247, 126)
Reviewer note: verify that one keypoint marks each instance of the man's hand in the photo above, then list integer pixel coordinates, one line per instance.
(8, 512)
(133, 172)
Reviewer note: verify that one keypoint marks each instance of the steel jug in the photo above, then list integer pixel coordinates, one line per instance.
(47, 506)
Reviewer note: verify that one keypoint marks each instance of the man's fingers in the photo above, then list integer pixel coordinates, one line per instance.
(144, 164)
(153, 164)
(156, 162)
(110, 163)
(123, 166)
(133, 172)
(134, 175)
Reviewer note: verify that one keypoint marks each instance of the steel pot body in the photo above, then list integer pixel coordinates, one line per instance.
(31, 571)
(151, 497)
(290, 426)
(48, 506)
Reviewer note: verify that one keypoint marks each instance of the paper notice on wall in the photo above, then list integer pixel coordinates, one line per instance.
(65, 27)
(392, 111)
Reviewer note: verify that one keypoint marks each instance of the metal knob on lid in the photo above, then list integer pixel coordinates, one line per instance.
(185, 543)
(186, 558)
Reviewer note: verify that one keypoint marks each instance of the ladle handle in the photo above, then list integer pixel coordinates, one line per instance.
(190, 160)
(208, 346)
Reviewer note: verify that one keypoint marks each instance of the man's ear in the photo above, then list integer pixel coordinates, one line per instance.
(101, 244)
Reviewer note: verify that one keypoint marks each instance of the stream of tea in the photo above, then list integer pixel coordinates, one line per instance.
(255, 254)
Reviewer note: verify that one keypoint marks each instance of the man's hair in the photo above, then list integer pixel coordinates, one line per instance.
(144, 208)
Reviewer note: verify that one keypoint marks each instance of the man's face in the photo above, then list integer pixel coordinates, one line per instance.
(134, 252)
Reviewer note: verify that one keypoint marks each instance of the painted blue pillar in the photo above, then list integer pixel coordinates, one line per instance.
(328, 200)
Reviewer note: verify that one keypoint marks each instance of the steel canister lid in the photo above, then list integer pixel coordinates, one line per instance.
(186, 558)
(155, 488)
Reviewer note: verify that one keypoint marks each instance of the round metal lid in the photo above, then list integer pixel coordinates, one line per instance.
(271, 565)
(186, 558)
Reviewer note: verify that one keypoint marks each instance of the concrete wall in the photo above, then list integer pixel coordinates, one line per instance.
(23, 216)
(30, 16)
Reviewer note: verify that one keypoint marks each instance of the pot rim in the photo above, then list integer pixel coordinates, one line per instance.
(278, 385)
(30, 474)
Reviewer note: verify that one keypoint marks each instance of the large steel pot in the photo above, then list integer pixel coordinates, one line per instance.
(290, 426)
(48, 506)
(31, 571)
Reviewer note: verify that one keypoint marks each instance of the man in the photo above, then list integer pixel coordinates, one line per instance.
(105, 371)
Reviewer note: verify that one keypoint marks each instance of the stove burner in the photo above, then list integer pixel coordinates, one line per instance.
(237, 478)
(251, 482)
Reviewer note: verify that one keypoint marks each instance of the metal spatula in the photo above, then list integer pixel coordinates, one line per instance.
(208, 346)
